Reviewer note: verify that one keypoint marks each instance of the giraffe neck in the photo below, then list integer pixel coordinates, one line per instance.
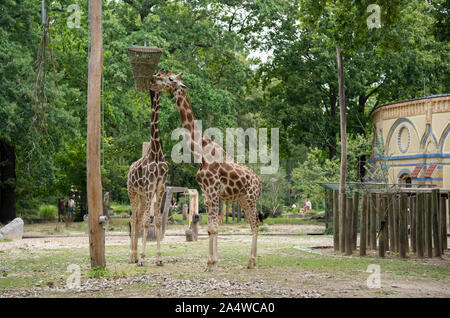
(155, 142)
(188, 122)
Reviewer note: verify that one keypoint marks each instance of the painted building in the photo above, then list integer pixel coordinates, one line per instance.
(415, 137)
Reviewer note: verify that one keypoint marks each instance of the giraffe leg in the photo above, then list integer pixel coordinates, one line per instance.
(213, 230)
(134, 224)
(146, 221)
(252, 216)
(158, 221)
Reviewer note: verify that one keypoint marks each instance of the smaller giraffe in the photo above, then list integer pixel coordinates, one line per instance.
(146, 184)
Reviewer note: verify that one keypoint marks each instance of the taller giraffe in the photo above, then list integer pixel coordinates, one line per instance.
(222, 179)
(147, 181)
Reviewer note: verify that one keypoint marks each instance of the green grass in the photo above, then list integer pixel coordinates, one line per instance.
(48, 211)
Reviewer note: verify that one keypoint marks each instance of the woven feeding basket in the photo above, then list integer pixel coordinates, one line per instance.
(143, 60)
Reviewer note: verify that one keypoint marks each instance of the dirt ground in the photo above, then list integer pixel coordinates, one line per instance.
(290, 264)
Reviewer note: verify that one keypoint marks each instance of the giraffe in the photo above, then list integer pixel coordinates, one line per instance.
(146, 184)
(222, 179)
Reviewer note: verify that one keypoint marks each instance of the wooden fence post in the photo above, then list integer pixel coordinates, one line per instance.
(369, 211)
(386, 222)
(443, 224)
(355, 219)
(419, 223)
(435, 215)
(381, 227)
(413, 209)
(390, 208)
(336, 219)
(238, 213)
(342, 227)
(396, 222)
(363, 226)
(403, 225)
(373, 222)
(348, 226)
(428, 239)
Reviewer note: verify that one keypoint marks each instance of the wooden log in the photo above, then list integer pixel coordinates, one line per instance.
(435, 210)
(419, 224)
(381, 228)
(342, 227)
(348, 226)
(373, 222)
(363, 226)
(390, 208)
(443, 224)
(336, 220)
(355, 219)
(403, 226)
(413, 209)
(428, 238)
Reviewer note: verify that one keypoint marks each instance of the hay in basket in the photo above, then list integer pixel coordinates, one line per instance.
(143, 60)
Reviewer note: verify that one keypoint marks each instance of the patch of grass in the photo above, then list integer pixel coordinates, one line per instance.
(97, 272)
(6, 240)
(263, 229)
(48, 211)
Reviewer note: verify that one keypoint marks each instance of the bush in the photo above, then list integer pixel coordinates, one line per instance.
(48, 211)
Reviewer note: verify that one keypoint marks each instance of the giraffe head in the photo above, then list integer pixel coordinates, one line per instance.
(168, 81)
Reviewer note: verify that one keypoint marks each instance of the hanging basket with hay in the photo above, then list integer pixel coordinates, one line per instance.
(143, 60)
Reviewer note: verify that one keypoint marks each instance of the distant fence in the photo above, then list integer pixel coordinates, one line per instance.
(404, 220)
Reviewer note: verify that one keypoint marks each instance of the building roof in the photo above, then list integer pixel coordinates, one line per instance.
(409, 100)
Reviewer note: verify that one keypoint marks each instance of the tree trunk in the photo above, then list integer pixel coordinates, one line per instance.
(94, 178)
(7, 182)
(343, 168)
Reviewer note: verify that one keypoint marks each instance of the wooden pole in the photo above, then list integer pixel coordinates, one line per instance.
(336, 219)
(413, 208)
(403, 225)
(428, 238)
(390, 208)
(94, 178)
(419, 224)
(381, 228)
(348, 226)
(342, 225)
(363, 226)
(443, 224)
(373, 222)
(355, 219)
(435, 210)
